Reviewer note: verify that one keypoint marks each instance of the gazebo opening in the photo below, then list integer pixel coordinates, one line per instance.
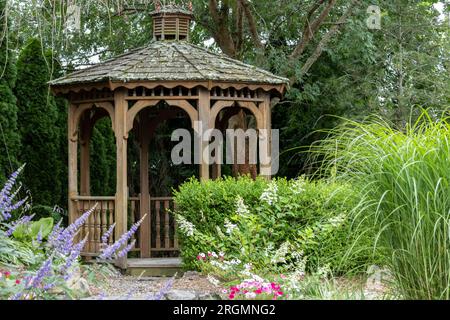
(153, 176)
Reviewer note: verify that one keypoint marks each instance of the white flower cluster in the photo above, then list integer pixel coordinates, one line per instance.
(220, 265)
(280, 254)
(229, 226)
(268, 250)
(225, 265)
(298, 186)
(270, 195)
(324, 271)
(185, 226)
(241, 207)
(299, 263)
(337, 221)
(213, 254)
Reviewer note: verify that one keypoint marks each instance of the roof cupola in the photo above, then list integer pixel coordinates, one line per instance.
(172, 22)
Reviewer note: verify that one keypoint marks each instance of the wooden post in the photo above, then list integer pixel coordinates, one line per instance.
(216, 171)
(85, 154)
(266, 169)
(72, 163)
(204, 107)
(121, 108)
(145, 229)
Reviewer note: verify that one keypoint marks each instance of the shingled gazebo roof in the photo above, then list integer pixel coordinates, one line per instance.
(171, 61)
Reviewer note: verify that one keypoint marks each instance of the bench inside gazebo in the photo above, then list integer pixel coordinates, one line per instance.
(176, 76)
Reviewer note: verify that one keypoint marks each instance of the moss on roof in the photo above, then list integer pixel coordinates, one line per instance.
(171, 61)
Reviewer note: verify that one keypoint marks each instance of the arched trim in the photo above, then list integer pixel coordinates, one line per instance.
(108, 106)
(133, 112)
(220, 105)
(142, 104)
(186, 106)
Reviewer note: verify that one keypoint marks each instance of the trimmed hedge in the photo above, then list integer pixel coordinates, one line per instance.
(301, 215)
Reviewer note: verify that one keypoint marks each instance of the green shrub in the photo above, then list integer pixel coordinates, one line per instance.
(405, 180)
(286, 221)
(41, 211)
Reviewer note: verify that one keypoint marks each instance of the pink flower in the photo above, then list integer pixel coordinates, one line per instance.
(258, 291)
(283, 276)
(231, 296)
(275, 286)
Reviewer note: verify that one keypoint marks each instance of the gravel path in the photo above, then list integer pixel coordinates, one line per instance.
(144, 288)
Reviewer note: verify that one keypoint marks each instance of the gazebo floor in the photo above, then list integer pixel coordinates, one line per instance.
(154, 267)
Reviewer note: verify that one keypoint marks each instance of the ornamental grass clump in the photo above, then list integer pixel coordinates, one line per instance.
(404, 180)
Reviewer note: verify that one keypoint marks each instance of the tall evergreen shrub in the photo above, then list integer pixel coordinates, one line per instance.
(9, 137)
(38, 116)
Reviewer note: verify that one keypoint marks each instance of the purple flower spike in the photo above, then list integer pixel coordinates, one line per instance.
(108, 233)
(74, 255)
(43, 271)
(63, 241)
(16, 224)
(164, 290)
(56, 232)
(6, 198)
(125, 251)
(39, 236)
(109, 251)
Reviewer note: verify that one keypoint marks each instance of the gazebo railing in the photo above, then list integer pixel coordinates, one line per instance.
(163, 234)
(98, 222)
(163, 228)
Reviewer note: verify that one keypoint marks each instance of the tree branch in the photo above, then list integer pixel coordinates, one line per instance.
(311, 29)
(214, 11)
(239, 27)
(326, 39)
(252, 24)
(221, 34)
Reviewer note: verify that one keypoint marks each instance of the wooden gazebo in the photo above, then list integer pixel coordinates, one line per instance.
(209, 87)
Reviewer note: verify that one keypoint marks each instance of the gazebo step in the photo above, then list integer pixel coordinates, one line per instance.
(154, 267)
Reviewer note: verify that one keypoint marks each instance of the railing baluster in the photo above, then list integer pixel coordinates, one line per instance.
(85, 205)
(103, 208)
(97, 217)
(166, 224)
(91, 228)
(175, 233)
(112, 213)
(158, 224)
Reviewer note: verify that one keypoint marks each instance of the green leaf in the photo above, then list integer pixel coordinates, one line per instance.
(45, 225)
